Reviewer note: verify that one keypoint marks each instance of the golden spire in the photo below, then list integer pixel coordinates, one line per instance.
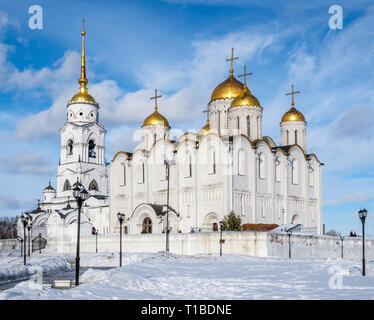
(83, 80)
(293, 114)
(292, 93)
(156, 118)
(245, 74)
(82, 95)
(155, 98)
(232, 62)
(206, 129)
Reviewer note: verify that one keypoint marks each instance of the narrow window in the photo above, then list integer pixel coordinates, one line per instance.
(295, 136)
(294, 172)
(238, 123)
(287, 137)
(124, 174)
(91, 149)
(248, 127)
(311, 177)
(70, 147)
(261, 166)
(241, 170)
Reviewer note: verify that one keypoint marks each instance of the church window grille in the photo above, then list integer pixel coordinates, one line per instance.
(147, 225)
(91, 149)
(93, 186)
(67, 185)
(70, 147)
(248, 127)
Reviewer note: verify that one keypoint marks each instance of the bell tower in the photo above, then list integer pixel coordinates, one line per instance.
(82, 142)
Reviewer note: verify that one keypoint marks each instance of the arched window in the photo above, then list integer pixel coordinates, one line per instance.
(70, 146)
(140, 172)
(147, 225)
(93, 186)
(311, 177)
(248, 127)
(238, 123)
(91, 149)
(67, 185)
(295, 136)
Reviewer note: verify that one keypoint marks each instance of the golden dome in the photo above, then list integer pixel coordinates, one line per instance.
(205, 130)
(245, 99)
(83, 95)
(156, 119)
(293, 115)
(230, 88)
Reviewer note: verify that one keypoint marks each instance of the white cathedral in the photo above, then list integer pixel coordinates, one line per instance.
(228, 166)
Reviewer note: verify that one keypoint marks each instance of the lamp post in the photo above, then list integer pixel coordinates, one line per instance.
(362, 214)
(80, 194)
(220, 240)
(168, 163)
(95, 233)
(25, 220)
(289, 244)
(121, 217)
(29, 227)
(342, 239)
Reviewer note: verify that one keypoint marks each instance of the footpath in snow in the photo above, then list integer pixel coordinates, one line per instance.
(170, 276)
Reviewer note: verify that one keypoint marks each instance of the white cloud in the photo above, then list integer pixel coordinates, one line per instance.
(348, 198)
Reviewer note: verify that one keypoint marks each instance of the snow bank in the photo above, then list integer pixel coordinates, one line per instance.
(170, 276)
(12, 268)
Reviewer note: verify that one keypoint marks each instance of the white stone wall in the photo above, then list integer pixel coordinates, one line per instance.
(259, 244)
(8, 244)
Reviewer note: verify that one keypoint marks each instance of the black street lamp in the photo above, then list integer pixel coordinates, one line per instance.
(220, 240)
(95, 233)
(168, 163)
(342, 239)
(289, 244)
(121, 218)
(80, 194)
(362, 214)
(25, 220)
(29, 227)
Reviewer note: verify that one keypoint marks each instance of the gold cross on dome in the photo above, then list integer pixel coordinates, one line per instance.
(292, 93)
(207, 111)
(245, 74)
(232, 59)
(155, 98)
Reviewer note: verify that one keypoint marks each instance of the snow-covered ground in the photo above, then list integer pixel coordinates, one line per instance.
(169, 276)
(12, 267)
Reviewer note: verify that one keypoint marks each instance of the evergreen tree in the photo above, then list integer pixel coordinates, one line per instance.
(232, 222)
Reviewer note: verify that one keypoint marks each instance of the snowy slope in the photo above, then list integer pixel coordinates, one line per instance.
(169, 276)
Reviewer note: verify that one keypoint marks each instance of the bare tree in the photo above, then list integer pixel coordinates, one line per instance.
(8, 227)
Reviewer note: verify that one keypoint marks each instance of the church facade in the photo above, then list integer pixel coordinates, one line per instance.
(227, 166)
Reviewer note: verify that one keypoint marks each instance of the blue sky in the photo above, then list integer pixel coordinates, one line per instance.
(180, 46)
